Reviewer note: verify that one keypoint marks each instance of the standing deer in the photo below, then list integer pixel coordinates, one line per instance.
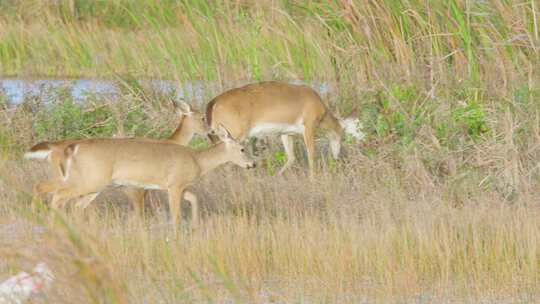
(191, 122)
(88, 166)
(259, 109)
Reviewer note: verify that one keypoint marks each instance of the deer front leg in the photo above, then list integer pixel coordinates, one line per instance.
(309, 140)
(287, 141)
(175, 194)
(335, 144)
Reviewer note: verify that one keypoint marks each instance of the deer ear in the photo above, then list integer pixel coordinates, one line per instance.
(186, 108)
(183, 108)
(224, 134)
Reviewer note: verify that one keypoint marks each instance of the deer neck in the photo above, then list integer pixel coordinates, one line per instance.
(181, 135)
(211, 158)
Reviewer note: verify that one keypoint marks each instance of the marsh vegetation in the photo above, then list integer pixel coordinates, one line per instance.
(439, 203)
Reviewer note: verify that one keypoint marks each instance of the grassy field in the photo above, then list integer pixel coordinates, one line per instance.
(439, 204)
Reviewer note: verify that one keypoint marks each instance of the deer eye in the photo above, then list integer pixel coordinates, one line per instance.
(242, 150)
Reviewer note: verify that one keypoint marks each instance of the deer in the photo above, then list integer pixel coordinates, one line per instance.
(266, 108)
(88, 166)
(191, 122)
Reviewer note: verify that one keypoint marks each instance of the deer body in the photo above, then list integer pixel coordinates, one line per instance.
(125, 162)
(91, 165)
(191, 123)
(266, 108)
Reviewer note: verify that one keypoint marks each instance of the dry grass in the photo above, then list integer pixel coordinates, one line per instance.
(492, 43)
(440, 204)
(374, 229)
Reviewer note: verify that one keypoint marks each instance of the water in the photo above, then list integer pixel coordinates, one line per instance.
(15, 90)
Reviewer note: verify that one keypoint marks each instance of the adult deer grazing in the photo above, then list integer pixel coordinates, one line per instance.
(88, 166)
(256, 110)
(191, 122)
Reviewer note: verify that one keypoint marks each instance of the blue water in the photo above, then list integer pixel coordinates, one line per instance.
(15, 90)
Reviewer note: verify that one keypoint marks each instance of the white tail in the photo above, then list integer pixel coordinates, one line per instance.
(41, 151)
(38, 155)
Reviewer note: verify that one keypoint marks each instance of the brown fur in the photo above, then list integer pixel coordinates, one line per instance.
(187, 126)
(245, 109)
(96, 163)
(40, 146)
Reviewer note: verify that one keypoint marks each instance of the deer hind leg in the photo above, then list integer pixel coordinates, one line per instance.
(288, 144)
(192, 199)
(136, 197)
(45, 187)
(335, 144)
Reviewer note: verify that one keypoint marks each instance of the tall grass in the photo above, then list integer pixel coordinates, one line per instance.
(411, 220)
(359, 42)
(440, 203)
